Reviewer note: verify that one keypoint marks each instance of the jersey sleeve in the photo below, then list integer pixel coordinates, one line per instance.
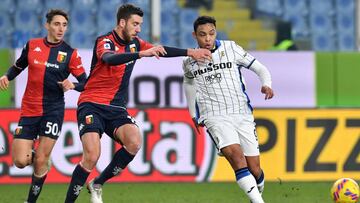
(186, 69)
(104, 45)
(243, 58)
(144, 45)
(22, 62)
(75, 65)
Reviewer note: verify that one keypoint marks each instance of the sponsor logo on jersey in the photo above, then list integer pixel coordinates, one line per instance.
(212, 67)
(213, 78)
(51, 65)
(47, 64)
(132, 48)
(18, 130)
(61, 57)
(89, 119)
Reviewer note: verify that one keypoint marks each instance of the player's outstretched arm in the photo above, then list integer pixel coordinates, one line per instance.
(156, 51)
(196, 54)
(199, 54)
(4, 82)
(118, 59)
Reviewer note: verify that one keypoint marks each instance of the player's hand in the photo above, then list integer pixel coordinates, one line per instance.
(66, 85)
(156, 51)
(199, 54)
(197, 125)
(269, 93)
(4, 82)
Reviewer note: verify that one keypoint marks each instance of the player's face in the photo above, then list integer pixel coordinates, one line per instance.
(56, 28)
(132, 27)
(205, 35)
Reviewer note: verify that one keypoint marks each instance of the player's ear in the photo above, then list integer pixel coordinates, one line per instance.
(194, 35)
(122, 23)
(47, 26)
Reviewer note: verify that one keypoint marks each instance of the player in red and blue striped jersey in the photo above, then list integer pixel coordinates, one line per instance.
(50, 61)
(102, 104)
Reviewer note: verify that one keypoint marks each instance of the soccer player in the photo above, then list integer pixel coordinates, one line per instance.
(102, 104)
(50, 61)
(215, 92)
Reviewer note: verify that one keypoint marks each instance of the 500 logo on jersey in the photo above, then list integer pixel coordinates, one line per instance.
(171, 150)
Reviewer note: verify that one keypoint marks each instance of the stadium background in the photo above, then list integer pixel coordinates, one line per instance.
(308, 132)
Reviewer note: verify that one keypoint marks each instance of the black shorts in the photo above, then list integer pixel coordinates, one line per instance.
(31, 127)
(101, 118)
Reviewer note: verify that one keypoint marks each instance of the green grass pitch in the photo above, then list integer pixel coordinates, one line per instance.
(275, 192)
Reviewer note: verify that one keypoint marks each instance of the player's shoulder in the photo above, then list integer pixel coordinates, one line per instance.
(35, 42)
(106, 38)
(187, 60)
(67, 46)
(228, 43)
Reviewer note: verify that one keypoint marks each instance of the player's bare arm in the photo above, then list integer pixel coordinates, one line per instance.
(269, 93)
(4, 82)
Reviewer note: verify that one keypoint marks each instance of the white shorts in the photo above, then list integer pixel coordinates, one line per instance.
(234, 129)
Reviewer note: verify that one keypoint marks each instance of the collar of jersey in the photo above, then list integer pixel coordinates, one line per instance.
(118, 39)
(50, 44)
(217, 45)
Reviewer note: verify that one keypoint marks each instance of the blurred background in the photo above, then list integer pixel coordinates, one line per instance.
(308, 133)
(323, 25)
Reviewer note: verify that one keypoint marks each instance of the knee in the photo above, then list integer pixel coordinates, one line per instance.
(134, 146)
(91, 158)
(21, 162)
(40, 159)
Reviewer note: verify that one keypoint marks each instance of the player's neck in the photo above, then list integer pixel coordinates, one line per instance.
(51, 40)
(120, 36)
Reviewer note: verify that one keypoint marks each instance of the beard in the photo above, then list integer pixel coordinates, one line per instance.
(127, 37)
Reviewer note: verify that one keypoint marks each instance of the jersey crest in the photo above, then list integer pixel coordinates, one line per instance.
(61, 57)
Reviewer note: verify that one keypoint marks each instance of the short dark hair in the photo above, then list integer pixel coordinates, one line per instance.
(201, 20)
(125, 11)
(54, 12)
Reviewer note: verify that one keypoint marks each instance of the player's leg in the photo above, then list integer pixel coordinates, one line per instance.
(40, 164)
(90, 130)
(129, 136)
(250, 145)
(225, 135)
(22, 152)
(49, 131)
(91, 153)
(246, 181)
(124, 131)
(254, 167)
(22, 145)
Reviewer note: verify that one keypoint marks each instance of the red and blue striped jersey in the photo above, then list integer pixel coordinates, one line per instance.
(108, 84)
(47, 64)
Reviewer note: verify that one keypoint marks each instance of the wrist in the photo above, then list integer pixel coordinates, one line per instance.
(190, 52)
